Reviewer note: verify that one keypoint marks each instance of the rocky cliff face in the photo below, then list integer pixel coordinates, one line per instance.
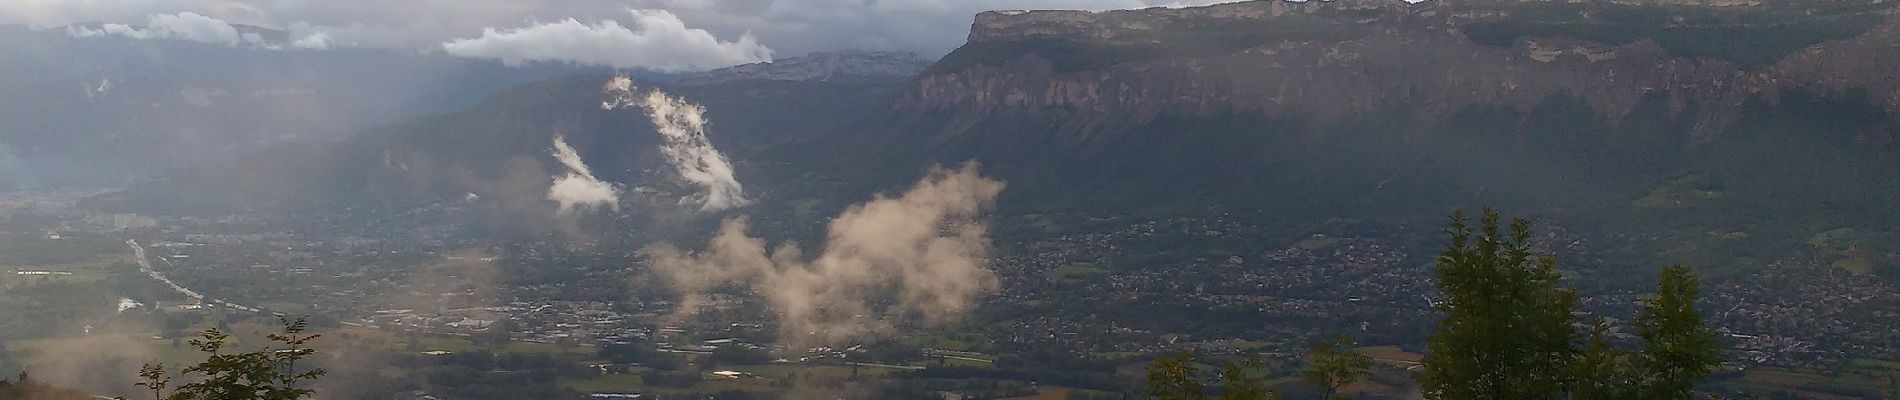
(1329, 60)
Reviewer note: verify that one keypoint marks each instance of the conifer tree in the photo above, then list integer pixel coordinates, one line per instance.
(1601, 371)
(1507, 331)
(1678, 349)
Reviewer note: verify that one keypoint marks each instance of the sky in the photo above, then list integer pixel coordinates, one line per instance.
(666, 35)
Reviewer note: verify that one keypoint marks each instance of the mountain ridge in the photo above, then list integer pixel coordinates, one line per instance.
(1277, 57)
(1325, 111)
(1593, 114)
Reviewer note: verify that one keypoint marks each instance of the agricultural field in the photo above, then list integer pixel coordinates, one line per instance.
(75, 281)
(1317, 243)
(1859, 379)
(1392, 355)
(1075, 272)
(759, 378)
(27, 260)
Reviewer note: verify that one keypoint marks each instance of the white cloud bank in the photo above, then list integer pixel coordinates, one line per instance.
(658, 40)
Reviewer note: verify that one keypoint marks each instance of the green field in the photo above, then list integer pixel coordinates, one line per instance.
(1317, 243)
(46, 325)
(940, 342)
(1872, 374)
(1856, 266)
(631, 383)
(1074, 272)
(1392, 354)
(399, 341)
(87, 259)
(81, 272)
(94, 273)
(20, 249)
(768, 379)
(1054, 393)
(1118, 355)
(1860, 378)
(811, 371)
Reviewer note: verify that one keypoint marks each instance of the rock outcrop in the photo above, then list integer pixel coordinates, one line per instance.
(1328, 60)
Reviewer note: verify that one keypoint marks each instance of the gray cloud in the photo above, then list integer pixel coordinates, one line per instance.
(12, 172)
(194, 27)
(310, 38)
(920, 257)
(187, 26)
(686, 147)
(792, 27)
(578, 190)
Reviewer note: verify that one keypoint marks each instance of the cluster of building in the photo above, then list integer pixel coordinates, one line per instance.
(1807, 314)
(1277, 293)
(1079, 292)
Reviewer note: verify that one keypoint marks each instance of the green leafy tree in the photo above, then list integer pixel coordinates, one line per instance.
(1172, 377)
(1507, 331)
(1331, 363)
(154, 377)
(1239, 382)
(1601, 371)
(266, 374)
(1678, 349)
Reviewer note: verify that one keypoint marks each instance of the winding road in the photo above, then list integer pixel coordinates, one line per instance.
(145, 265)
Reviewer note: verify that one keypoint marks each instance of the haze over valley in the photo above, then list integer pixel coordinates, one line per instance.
(1081, 199)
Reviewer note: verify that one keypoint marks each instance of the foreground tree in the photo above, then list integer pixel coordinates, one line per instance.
(1172, 377)
(269, 373)
(1331, 363)
(1602, 371)
(154, 377)
(1176, 377)
(1508, 334)
(24, 387)
(1678, 349)
(1239, 382)
(1507, 331)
